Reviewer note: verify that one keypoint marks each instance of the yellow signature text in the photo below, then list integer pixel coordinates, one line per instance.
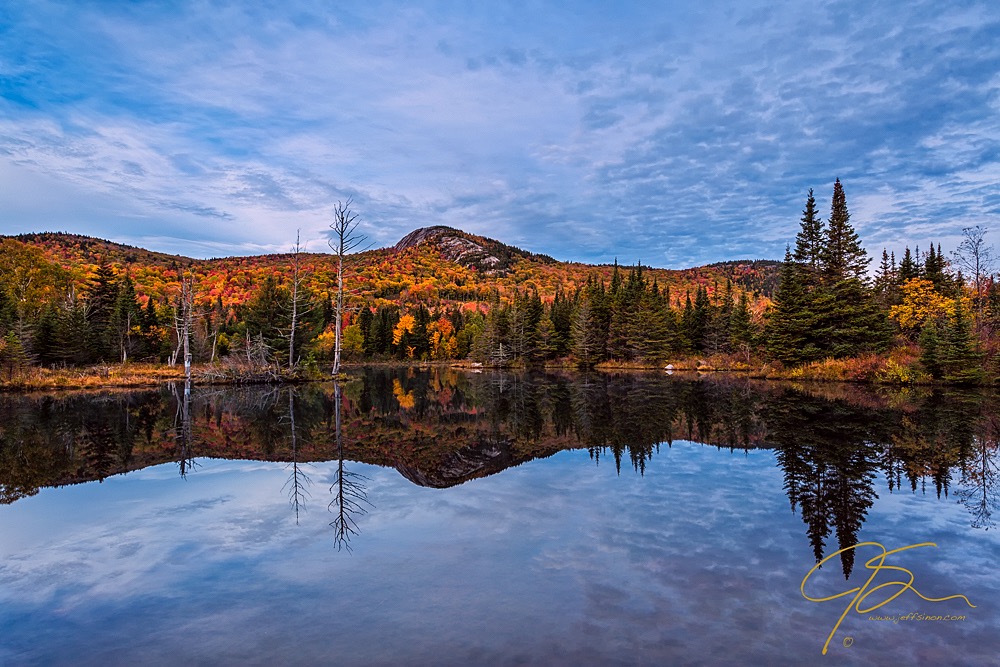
(893, 589)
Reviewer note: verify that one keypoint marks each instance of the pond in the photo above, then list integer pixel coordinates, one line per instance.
(434, 516)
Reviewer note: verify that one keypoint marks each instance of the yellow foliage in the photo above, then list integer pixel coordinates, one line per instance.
(404, 326)
(921, 302)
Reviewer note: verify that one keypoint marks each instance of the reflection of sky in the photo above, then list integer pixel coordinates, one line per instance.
(557, 561)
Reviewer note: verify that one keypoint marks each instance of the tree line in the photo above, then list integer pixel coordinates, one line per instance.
(942, 312)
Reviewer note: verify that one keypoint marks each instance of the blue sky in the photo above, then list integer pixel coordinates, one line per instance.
(675, 133)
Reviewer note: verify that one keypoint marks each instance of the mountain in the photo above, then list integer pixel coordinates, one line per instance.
(485, 255)
(435, 265)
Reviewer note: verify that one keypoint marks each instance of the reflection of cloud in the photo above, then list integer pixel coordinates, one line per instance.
(555, 561)
(695, 131)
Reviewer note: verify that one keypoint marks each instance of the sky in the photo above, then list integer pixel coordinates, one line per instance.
(671, 133)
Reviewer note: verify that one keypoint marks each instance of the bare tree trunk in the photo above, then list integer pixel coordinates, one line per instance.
(295, 306)
(338, 320)
(345, 240)
(183, 320)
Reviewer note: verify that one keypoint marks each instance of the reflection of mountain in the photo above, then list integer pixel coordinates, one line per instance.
(470, 462)
(440, 428)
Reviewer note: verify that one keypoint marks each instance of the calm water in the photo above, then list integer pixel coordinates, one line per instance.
(436, 517)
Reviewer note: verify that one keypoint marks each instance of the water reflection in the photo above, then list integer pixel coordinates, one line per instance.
(350, 499)
(440, 428)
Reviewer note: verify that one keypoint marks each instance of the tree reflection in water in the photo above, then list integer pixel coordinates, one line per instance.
(442, 427)
(350, 498)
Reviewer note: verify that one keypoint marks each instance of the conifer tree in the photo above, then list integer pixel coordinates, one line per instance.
(843, 256)
(930, 349)
(789, 327)
(588, 339)
(959, 359)
(741, 336)
(908, 268)
(810, 241)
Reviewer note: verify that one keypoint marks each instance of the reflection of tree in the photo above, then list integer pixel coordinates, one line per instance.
(829, 440)
(183, 435)
(980, 472)
(349, 495)
(298, 480)
(826, 451)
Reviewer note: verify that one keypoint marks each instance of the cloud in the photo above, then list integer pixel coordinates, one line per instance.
(675, 137)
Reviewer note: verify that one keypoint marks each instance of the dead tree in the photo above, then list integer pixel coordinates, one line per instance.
(298, 304)
(183, 322)
(345, 240)
(976, 258)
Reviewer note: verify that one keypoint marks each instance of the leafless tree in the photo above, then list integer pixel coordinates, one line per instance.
(346, 239)
(975, 258)
(184, 322)
(298, 303)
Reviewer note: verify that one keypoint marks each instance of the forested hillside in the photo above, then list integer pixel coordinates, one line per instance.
(74, 300)
(443, 294)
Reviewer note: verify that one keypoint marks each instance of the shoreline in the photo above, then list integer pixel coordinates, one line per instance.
(144, 375)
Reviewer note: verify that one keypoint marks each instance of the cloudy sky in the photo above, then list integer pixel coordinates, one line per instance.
(675, 133)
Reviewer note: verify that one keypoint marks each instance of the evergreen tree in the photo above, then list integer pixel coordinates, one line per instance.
(7, 311)
(790, 325)
(810, 241)
(102, 294)
(741, 327)
(45, 344)
(267, 317)
(960, 360)
(588, 334)
(930, 349)
(853, 320)
(843, 256)
(651, 329)
(908, 269)
(13, 357)
(561, 314)
(124, 316)
(886, 282)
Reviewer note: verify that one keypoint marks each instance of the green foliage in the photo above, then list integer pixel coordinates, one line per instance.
(843, 256)
(961, 362)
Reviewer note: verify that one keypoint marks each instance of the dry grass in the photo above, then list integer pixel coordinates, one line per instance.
(91, 377)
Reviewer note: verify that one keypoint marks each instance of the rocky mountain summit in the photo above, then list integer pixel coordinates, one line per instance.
(487, 256)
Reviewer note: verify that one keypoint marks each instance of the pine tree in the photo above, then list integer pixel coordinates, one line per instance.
(843, 256)
(102, 293)
(790, 325)
(810, 241)
(959, 359)
(125, 314)
(930, 349)
(588, 337)
(741, 327)
(886, 282)
(908, 269)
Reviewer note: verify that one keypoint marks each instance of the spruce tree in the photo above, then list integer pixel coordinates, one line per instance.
(843, 255)
(930, 349)
(961, 362)
(789, 327)
(810, 241)
(908, 269)
(741, 327)
(588, 337)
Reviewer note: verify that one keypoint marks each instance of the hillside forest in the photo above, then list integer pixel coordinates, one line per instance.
(442, 294)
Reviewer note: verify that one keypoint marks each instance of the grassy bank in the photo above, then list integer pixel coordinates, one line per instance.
(900, 367)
